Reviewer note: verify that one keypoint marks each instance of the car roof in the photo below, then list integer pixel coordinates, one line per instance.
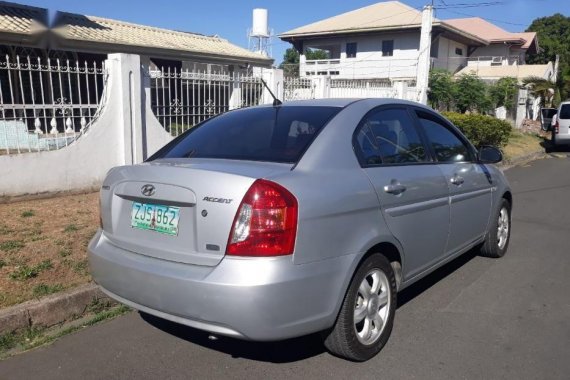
(343, 102)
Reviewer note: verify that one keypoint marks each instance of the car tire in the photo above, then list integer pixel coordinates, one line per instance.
(497, 240)
(366, 317)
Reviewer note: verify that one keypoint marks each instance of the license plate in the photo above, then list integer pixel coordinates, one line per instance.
(163, 219)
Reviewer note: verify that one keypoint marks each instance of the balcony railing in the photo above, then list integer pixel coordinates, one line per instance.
(355, 68)
(494, 60)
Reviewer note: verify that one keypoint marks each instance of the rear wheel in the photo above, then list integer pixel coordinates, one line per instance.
(497, 240)
(366, 317)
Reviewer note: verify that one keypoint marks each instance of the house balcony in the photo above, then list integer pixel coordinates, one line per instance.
(391, 68)
(494, 61)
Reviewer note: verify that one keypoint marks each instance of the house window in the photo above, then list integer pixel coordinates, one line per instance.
(388, 48)
(458, 51)
(351, 50)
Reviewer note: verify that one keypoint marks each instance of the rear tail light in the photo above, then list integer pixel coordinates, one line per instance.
(556, 127)
(265, 223)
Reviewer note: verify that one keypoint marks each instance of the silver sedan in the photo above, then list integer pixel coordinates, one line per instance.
(273, 222)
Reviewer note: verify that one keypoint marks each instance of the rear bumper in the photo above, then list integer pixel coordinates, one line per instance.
(562, 139)
(259, 299)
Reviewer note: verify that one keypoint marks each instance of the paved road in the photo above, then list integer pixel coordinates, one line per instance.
(475, 318)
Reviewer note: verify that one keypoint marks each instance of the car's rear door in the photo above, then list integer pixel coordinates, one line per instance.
(469, 182)
(412, 191)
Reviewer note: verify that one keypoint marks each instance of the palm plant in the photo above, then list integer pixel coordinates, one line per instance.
(543, 88)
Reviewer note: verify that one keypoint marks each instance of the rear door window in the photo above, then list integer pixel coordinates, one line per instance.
(274, 134)
(564, 112)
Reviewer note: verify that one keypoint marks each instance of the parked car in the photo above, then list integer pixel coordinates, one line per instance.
(274, 222)
(561, 130)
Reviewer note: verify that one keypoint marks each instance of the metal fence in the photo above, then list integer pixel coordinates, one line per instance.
(298, 88)
(46, 105)
(180, 99)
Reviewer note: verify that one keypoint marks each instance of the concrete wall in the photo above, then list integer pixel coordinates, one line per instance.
(125, 132)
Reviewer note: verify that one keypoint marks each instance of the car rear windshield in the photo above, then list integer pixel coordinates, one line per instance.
(565, 111)
(275, 134)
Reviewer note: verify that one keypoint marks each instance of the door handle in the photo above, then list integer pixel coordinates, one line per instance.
(395, 188)
(457, 180)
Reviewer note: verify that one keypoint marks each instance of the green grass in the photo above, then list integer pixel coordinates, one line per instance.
(65, 251)
(2, 263)
(71, 228)
(12, 245)
(8, 341)
(98, 305)
(44, 289)
(521, 144)
(28, 214)
(35, 337)
(25, 272)
(177, 129)
(5, 230)
(81, 267)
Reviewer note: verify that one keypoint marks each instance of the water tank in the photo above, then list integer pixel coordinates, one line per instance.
(259, 23)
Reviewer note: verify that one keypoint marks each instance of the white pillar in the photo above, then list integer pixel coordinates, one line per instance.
(126, 69)
(322, 86)
(401, 89)
(274, 80)
(235, 96)
(422, 73)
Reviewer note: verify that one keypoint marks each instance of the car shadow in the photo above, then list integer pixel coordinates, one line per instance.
(296, 349)
(436, 276)
(285, 351)
(551, 148)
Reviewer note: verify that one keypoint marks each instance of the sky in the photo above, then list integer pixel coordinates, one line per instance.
(230, 19)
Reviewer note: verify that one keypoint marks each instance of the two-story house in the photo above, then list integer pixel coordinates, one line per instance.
(381, 42)
(504, 55)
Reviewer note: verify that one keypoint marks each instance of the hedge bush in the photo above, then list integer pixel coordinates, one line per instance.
(481, 129)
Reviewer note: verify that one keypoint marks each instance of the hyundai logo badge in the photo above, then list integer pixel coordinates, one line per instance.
(148, 190)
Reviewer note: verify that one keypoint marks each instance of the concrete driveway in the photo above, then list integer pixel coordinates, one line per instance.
(475, 318)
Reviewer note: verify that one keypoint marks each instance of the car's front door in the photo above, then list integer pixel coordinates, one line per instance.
(412, 191)
(469, 182)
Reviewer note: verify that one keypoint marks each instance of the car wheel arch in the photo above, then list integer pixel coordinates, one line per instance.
(388, 247)
(509, 197)
(394, 255)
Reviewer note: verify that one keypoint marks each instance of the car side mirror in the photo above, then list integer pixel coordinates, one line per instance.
(490, 155)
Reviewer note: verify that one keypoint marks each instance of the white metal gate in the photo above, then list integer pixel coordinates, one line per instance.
(180, 99)
(46, 104)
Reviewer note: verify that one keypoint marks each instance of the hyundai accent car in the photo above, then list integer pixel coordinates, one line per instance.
(274, 222)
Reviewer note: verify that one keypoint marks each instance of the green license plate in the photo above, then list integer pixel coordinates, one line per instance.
(163, 219)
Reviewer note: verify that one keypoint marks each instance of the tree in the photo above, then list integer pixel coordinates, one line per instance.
(290, 64)
(554, 39)
(440, 95)
(504, 93)
(470, 94)
(542, 88)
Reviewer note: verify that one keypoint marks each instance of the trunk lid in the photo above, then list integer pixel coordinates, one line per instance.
(207, 193)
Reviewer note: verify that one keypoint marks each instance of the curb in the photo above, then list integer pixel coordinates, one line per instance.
(51, 310)
(523, 159)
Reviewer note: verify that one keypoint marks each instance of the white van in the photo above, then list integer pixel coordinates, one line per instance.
(561, 130)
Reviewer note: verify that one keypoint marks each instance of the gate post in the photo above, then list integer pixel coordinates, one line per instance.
(126, 69)
(274, 79)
